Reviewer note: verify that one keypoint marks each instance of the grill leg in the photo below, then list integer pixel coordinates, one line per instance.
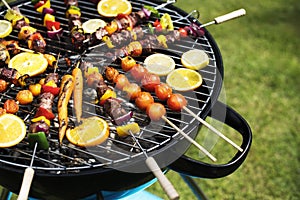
(194, 187)
(5, 194)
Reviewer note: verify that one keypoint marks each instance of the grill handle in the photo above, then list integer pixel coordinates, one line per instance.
(191, 167)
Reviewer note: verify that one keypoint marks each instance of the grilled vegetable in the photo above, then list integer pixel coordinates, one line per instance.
(77, 92)
(127, 63)
(144, 100)
(11, 106)
(39, 138)
(127, 129)
(3, 85)
(66, 89)
(176, 102)
(35, 89)
(24, 97)
(155, 111)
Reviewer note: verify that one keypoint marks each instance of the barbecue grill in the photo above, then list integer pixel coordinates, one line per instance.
(118, 165)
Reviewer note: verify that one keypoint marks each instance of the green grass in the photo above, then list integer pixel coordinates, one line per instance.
(261, 60)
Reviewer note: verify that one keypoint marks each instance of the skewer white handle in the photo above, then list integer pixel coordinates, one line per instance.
(162, 179)
(213, 129)
(191, 140)
(229, 16)
(26, 183)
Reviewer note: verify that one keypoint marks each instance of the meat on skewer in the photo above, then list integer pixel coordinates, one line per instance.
(27, 33)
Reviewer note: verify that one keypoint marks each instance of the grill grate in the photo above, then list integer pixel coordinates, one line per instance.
(68, 158)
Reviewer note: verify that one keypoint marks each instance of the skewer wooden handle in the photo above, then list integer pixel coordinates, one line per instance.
(162, 179)
(229, 16)
(26, 183)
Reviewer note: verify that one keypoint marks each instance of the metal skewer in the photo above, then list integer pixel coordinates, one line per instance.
(210, 127)
(6, 4)
(191, 140)
(155, 169)
(27, 178)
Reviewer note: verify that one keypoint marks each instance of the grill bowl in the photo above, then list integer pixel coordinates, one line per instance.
(62, 177)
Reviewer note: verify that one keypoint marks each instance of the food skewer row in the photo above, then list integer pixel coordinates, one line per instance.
(143, 100)
(54, 31)
(112, 106)
(152, 83)
(164, 25)
(122, 29)
(34, 39)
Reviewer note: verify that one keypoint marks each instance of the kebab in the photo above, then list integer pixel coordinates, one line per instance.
(54, 31)
(34, 39)
(122, 29)
(151, 82)
(155, 111)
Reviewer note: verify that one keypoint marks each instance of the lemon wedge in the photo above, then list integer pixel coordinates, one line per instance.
(159, 64)
(5, 28)
(183, 79)
(29, 63)
(111, 8)
(92, 131)
(93, 25)
(195, 59)
(12, 130)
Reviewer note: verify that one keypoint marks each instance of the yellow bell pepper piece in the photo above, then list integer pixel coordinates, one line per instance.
(108, 42)
(49, 17)
(51, 83)
(73, 12)
(41, 118)
(46, 5)
(125, 130)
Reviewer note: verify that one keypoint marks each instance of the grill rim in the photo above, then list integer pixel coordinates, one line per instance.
(92, 171)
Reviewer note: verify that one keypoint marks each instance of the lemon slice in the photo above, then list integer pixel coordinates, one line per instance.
(159, 64)
(12, 130)
(183, 79)
(29, 63)
(92, 131)
(5, 28)
(111, 8)
(195, 59)
(93, 25)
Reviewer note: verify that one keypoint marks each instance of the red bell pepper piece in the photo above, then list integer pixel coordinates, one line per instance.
(44, 112)
(39, 4)
(50, 25)
(52, 90)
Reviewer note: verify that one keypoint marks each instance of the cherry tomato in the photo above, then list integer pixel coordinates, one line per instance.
(132, 90)
(163, 91)
(35, 89)
(127, 63)
(183, 32)
(150, 81)
(138, 72)
(24, 97)
(111, 74)
(121, 81)
(155, 111)
(143, 100)
(11, 106)
(176, 102)
(3, 85)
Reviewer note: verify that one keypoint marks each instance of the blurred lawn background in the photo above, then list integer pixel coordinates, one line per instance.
(261, 81)
(261, 60)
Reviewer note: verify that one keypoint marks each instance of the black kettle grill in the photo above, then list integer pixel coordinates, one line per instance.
(70, 172)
